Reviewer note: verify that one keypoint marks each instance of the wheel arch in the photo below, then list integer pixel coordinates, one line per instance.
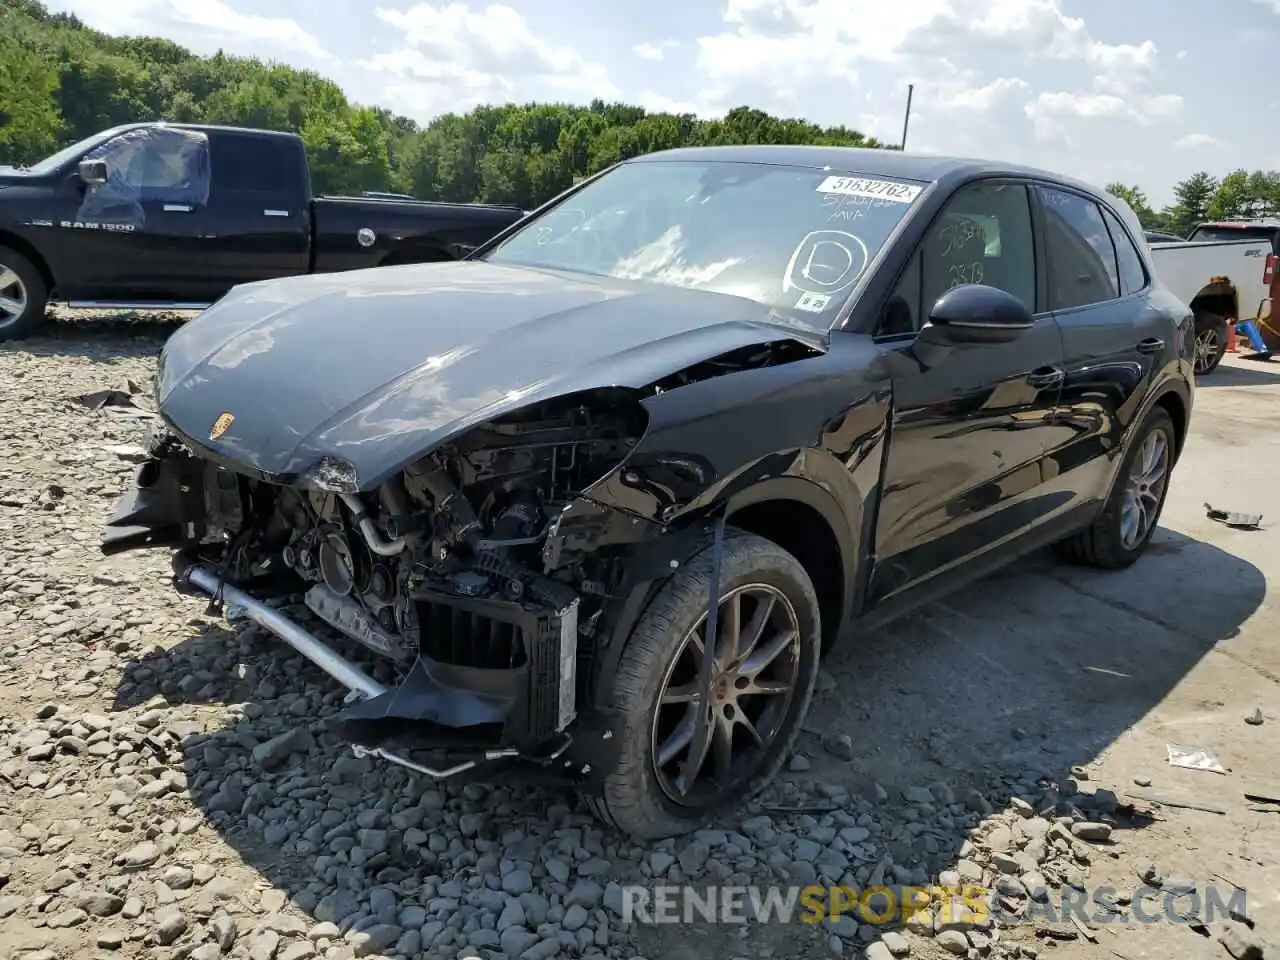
(416, 250)
(27, 249)
(1179, 411)
(1218, 297)
(807, 522)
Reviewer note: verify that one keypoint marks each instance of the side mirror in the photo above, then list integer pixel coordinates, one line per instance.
(93, 171)
(975, 313)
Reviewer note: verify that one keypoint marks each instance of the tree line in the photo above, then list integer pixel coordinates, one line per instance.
(1201, 197)
(61, 81)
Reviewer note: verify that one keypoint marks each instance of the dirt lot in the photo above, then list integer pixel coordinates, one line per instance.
(166, 791)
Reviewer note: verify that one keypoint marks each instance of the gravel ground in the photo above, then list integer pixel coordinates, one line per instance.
(167, 791)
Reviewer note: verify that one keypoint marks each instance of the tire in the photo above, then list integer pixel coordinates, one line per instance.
(1211, 343)
(1102, 544)
(20, 284)
(637, 797)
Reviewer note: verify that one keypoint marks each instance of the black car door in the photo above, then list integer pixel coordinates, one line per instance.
(970, 424)
(139, 235)
(259, 208)
(1112, 335)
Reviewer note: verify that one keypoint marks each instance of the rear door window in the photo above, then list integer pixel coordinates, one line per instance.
(263, 166)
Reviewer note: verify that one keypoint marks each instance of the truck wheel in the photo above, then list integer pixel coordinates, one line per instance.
(1122, 531)
(687, 753)
(1211, 342)
(23, 296)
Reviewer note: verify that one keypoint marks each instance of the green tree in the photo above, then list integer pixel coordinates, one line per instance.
(29, 118)
(1191, 202)
(61, 81)
(1137, 200)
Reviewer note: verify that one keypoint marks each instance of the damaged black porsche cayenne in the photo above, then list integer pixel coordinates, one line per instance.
(607, 490)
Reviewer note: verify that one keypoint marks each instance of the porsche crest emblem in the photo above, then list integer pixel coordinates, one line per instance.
(221, 425)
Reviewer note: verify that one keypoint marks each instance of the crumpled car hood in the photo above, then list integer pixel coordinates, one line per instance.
(379, 366)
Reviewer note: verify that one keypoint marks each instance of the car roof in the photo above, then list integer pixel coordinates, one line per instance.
(864, 161)
(169, 125)
(1263, 224)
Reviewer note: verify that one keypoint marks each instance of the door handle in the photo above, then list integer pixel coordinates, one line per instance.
(177, 208)
(1150, 345)
(275, 213)
(1046, 376)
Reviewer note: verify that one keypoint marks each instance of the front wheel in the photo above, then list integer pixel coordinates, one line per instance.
(708, 724)
(1122, 531)
(23, 296)
(1211, 343)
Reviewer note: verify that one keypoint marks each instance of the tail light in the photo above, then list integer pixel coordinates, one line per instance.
(1269, 269)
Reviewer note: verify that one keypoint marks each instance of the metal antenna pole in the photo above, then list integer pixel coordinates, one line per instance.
(906, 119)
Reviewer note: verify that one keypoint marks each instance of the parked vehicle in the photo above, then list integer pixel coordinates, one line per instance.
(608, 489)
(172, 216)
(1224, 271)
(1154, 237)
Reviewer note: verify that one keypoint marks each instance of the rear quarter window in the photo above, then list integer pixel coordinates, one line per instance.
(1133, 275)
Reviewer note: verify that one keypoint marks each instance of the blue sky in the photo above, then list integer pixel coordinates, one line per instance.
(1142, 91)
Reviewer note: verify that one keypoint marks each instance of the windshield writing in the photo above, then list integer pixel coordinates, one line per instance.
(792, 238)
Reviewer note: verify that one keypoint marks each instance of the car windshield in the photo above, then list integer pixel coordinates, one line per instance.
(52, 162)
(792, 238)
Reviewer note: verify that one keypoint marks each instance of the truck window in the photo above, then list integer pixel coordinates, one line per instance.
(252, 164)
(165, 165)
(1133, 276)
(1078, 250)
(1221, 234)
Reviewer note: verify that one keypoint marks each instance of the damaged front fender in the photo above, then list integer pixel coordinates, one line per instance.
(810, 431)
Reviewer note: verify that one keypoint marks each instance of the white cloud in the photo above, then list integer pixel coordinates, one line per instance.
(203, 25)
(451, 58)
(1050, 112)
(658, 103)
(1193, 140)
(654, 51)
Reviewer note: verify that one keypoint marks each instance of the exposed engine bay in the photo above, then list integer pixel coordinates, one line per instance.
(442, 565)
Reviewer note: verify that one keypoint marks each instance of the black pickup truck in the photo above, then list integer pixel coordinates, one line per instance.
(172, 216)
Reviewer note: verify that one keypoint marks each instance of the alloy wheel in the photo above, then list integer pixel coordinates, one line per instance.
(715, 722)
(13, 296)
(1144, 489)
(1206, 349)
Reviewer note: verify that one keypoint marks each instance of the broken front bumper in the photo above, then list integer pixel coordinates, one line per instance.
(442, 719)
(492, 679)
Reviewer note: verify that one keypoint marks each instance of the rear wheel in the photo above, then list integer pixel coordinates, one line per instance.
(23, 296)
(1211, 342)
(1122, 531)
(700, 737)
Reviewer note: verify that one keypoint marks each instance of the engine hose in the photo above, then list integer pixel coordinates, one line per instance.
(374, 540)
